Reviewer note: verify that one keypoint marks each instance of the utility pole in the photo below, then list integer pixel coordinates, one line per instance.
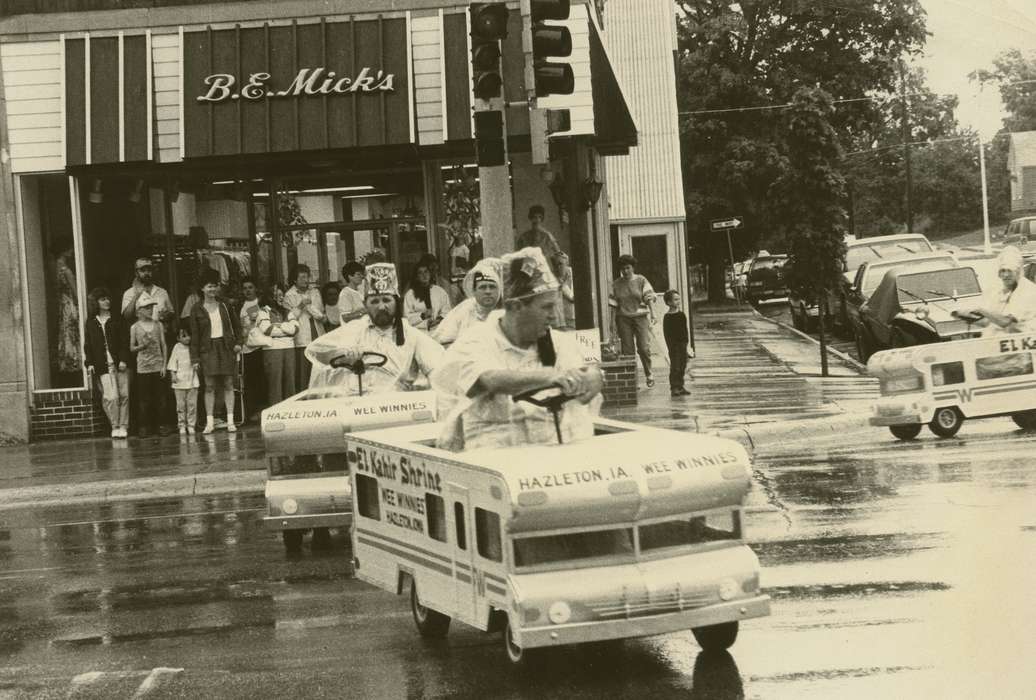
(906, 151)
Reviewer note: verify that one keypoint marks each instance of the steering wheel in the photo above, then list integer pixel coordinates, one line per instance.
(361, 365)
(967, 317)
(552, 403)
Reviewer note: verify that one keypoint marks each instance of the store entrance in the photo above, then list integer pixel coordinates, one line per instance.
(326, 248)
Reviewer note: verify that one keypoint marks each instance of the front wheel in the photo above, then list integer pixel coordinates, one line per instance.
(947, 421)
(431, 624)
(906, 432)
(716, 637)
(1026, 420)
(519, 657)
(863, 350)
(292, 540)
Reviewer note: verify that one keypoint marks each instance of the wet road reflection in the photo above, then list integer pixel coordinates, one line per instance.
(897, 569)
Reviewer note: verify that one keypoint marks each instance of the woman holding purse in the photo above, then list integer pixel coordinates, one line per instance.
(275, 331)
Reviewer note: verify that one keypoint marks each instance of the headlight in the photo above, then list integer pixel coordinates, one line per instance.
(289, 506)
(728, 589)
(921, 313)
(559, 613)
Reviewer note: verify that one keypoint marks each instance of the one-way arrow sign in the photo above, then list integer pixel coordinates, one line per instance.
(726, 224)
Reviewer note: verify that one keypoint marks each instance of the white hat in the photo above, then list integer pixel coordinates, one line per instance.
(145, 299)
(486, 269)
(382, 279)
(531, 263)
(1010, 258)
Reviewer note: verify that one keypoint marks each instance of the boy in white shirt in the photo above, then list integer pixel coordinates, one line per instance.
(185, 383)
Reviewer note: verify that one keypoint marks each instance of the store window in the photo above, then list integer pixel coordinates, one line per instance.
(52, 281)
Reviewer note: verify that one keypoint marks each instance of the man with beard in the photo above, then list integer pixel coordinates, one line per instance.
(512, 353)
(383, 330)
(143, 281)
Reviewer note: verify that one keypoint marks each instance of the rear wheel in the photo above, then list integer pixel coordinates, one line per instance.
(431, 624)
(906, 432)
(1026, 420)
(716, 637)
(947, 421)
(292, 540)
(863, 349)
(798, 318)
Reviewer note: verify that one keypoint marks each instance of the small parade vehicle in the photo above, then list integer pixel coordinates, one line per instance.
(635, 531)
(942, 384)
(306, 438)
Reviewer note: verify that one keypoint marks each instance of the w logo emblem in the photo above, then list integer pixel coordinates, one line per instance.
(964, 395)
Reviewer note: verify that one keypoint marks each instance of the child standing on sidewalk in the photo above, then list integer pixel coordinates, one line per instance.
(147, 339)
(674, 328)
(185, 383)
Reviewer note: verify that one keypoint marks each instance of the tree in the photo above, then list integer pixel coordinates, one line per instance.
(808, 197)
(1014, 72)
(760, 53)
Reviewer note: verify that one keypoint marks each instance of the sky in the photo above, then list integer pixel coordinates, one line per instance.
(966, 35)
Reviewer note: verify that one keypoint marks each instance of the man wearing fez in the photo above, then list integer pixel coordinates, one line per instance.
(382, 329)
(511, 353)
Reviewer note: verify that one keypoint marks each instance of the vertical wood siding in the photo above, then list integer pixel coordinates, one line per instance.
(32, 85)
(427, 60)
(165, 81)
(646, 184)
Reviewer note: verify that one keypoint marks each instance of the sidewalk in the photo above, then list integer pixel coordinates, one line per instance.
(752, 380)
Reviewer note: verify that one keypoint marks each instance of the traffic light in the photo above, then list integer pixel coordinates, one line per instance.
(545, 41)
(488, 27)
(490, 145)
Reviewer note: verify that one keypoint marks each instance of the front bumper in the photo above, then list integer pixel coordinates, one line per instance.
(306, 522)
(628, 628)
(905, 419)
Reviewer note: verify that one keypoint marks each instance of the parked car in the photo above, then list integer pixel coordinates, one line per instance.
(766, 277)
(915, 307)
(1020, 231)
(857, 252)
(870, 274)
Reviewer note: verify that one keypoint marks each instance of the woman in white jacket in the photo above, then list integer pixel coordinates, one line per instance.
(279, 356)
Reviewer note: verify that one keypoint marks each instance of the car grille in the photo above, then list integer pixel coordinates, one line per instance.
(644, 604)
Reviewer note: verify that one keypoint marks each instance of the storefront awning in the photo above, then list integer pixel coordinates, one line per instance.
(614, 129)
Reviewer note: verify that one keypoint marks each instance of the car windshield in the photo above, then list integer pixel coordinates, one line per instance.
(573, 546)
(859, 254)
(872, 278)
(938, 284)
(308, 465)
(767, 264)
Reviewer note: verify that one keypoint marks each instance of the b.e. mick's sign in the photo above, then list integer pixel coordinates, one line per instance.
(307, 82)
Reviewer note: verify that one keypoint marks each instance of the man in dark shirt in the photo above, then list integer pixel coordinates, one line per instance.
(674, 329)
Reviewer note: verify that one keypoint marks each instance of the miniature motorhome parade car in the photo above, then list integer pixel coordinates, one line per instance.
(942, 384)
(307, 485)
(635, 531)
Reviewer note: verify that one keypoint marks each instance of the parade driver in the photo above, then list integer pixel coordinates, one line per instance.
(382, 330)
(512, 353)
(1010, 307)
(482, 289)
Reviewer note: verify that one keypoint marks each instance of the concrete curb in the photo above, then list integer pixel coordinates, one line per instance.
(852, 363)
(251, 481)
(754, 436)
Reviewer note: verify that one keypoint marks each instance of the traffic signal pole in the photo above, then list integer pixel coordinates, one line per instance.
(487, 27)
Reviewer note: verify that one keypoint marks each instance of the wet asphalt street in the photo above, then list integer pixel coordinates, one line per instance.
(897, 570)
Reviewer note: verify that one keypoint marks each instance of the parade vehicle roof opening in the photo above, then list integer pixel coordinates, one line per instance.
(308, 465)
(625, 545)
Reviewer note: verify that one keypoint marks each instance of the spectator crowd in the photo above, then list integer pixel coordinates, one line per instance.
(220, 361)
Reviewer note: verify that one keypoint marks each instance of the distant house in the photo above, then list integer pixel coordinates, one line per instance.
(1021, 162)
